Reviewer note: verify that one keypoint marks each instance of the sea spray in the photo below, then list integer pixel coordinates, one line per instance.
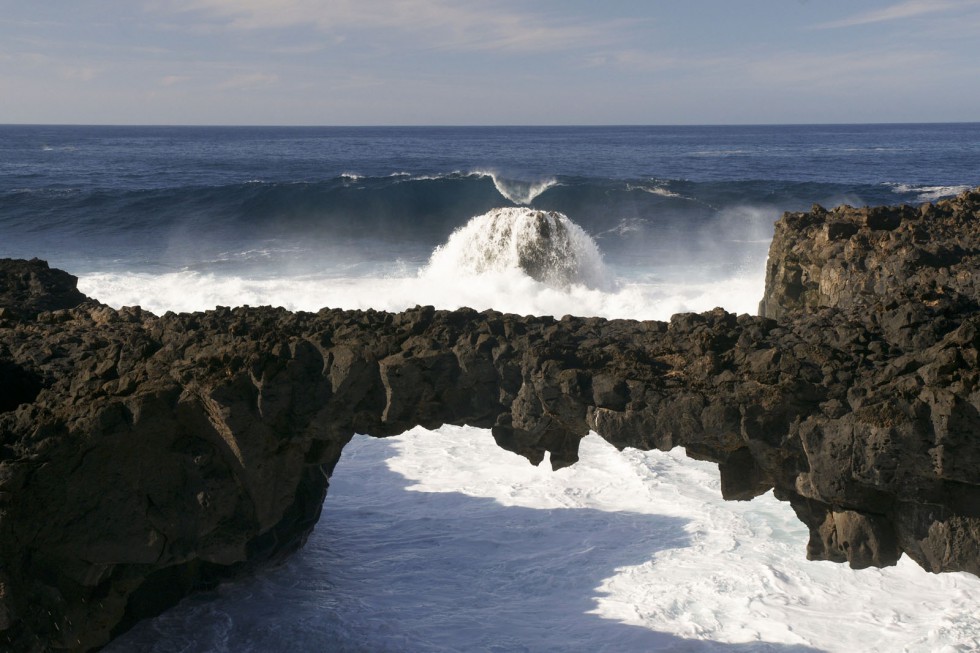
(516, 260)
(928, 193)
(516, 190)
(544, 245)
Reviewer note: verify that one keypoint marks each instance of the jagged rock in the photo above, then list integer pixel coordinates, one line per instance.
(30, 287)
(143, 457)
(892, 263)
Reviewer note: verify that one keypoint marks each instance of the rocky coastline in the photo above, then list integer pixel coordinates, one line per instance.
(145, 456)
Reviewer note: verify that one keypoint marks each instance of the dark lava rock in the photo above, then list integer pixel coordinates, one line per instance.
(30, 287)
(143, 457)
(890, 263)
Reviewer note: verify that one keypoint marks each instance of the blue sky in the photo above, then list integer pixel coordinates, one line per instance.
(371, 62)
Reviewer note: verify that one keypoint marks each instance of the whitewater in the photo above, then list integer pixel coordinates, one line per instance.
(441, 541)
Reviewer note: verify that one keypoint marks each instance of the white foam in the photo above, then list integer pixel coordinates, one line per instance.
(546, 246)
(509, 291)
(516, 190)
(739, 574)
(441, 541)
(625, 226)
(930, 193)
(655, 190)
(721, 153)
(436, 177)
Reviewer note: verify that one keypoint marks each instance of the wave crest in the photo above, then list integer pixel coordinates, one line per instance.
(929, 193)
(544, 245)
(516, 190)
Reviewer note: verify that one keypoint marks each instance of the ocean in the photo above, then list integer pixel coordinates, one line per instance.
(437, 540)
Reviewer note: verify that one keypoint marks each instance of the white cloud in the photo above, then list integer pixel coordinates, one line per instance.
(442, 24)
(248, 81)
(907, 9)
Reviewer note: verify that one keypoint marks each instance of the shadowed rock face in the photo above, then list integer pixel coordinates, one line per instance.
(30, 287)
(144, 456)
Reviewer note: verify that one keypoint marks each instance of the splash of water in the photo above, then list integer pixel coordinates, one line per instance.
(929, 193)
(543, 245)
(517, 191)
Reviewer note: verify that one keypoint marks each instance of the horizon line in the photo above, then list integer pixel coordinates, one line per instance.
(484, 126)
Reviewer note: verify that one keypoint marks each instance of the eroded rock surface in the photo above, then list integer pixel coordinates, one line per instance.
(145, 456)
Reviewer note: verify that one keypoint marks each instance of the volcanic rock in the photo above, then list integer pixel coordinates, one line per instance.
(143, 457)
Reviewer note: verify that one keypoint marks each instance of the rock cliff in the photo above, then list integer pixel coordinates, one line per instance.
(143, 457)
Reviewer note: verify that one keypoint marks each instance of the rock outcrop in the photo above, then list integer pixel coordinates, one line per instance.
(30, 287)
(143, 457)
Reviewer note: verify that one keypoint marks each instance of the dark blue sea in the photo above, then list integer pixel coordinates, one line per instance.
(438, 540)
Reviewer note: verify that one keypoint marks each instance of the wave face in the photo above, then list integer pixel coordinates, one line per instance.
(347, 220)
(164, 199)
(236, 213)
(544, 245)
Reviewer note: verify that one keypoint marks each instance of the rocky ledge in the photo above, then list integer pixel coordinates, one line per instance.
(143, 457)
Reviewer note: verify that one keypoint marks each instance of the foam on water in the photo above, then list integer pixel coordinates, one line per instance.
(508, 291)
(738, 574)
(930, 193)
(441, 541)
(655, 190)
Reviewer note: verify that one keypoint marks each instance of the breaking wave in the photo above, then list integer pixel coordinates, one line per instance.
(544, 245)
(654, 189)
(929, 193)
(516, 190)
(401, 206)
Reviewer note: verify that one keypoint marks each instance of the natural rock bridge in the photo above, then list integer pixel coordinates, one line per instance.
(143, 457)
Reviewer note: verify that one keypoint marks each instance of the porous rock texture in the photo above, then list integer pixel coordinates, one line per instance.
(142, 457)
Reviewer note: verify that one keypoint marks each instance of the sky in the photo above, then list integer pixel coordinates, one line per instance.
(477, 62)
